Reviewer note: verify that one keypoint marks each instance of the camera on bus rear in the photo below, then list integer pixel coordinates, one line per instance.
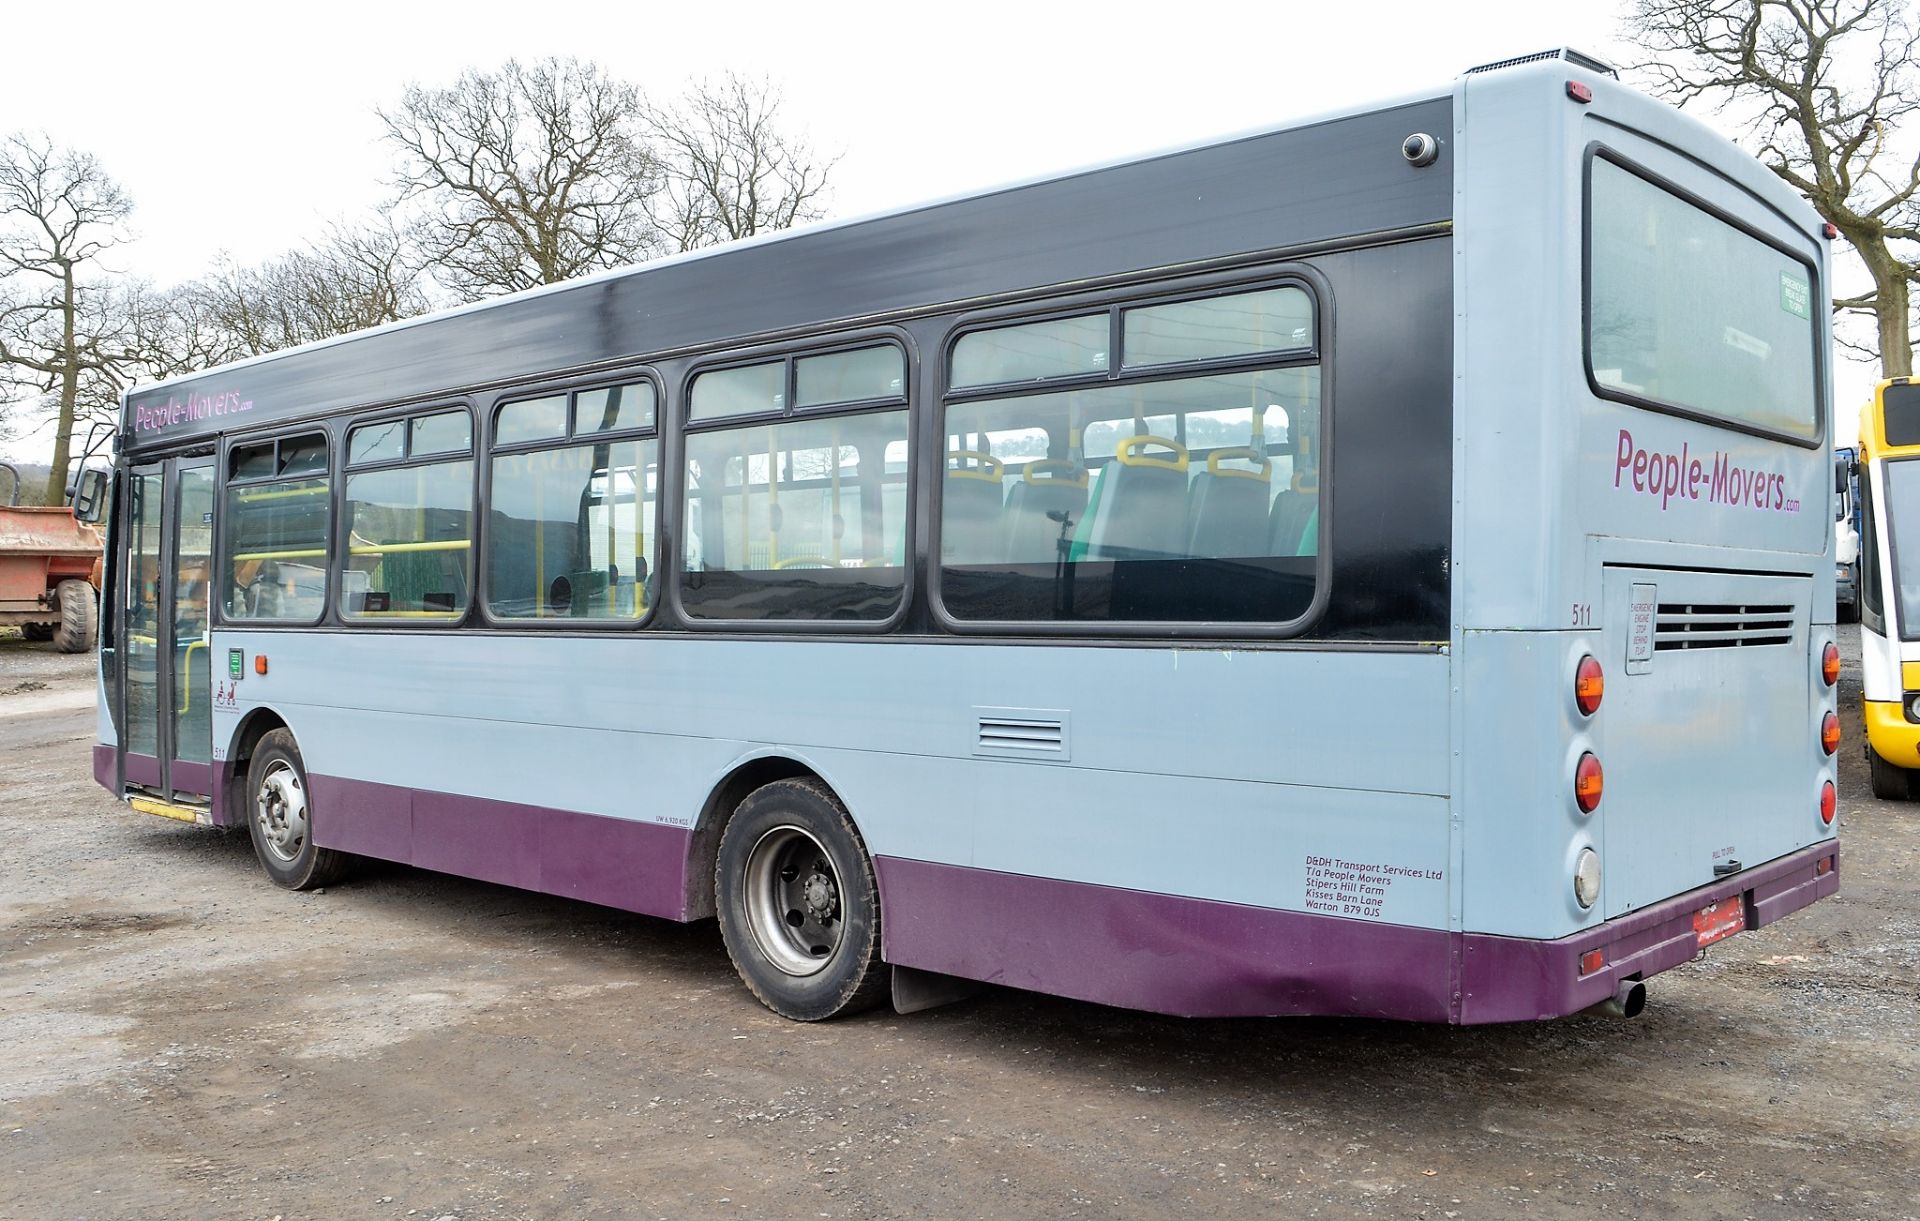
(1420, 149)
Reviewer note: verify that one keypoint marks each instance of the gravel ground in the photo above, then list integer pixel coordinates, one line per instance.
(178, 1037)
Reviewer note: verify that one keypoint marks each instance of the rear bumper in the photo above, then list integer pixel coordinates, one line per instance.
(1511, 979)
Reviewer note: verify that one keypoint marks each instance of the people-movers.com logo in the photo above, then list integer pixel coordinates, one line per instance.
(1715, 478)
(148, 417)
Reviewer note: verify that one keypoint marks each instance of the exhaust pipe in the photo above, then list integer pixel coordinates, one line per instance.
(1627, 1001)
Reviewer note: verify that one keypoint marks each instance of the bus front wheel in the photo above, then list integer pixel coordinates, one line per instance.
(798, 906)
(280, 818)
(1891, 782)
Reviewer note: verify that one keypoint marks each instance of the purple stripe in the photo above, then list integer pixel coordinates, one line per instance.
(635, 866)
(1200, 958)
(192, 777)
(104, 774)
(217, 802)
(357, 816)
(143, 769)
(1163, 953)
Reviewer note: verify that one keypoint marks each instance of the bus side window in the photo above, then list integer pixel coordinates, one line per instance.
(409, 527)
(274, 531)
(798, 519)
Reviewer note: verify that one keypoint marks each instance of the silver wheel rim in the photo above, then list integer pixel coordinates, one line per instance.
(280, 808)
(793, 901)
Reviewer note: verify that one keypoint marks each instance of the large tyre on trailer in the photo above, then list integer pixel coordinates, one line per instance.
(798, 905)
(37, 633)
(280, 818)
(1891, 782)
(79, 617)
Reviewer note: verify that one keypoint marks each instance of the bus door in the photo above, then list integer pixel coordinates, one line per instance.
(163, 691)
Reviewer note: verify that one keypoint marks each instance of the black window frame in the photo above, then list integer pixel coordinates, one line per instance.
(791, 353)
(1822, 408)
(571, 439)
(1320, 297)
(332, 474)
(342, 535)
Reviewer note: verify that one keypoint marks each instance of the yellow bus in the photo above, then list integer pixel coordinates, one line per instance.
(1890, 585)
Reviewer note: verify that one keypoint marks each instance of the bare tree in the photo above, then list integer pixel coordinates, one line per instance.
(59, 331)
(1822, 87)
(355, 278)
(728, 168)
(530, 175)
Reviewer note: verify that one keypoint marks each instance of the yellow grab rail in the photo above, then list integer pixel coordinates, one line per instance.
(186, 672)
(452, 544)
(244, 557)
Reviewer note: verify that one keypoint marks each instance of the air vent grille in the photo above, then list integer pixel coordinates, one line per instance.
(1564, 53)
(1020, 733)
(1711, 625)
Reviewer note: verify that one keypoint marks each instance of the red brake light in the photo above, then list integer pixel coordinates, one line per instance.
(1830, 733)
(1830, 663)
(1579, 92)
(1588, 782)
(1827, 802)
(1589, 684)
(1592, 961)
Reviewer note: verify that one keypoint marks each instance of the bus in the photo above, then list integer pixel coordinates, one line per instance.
(1889, 497)
(1368, 565)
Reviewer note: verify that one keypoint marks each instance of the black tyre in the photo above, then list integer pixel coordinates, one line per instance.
(37, 633)
(1891, 782)
(79, 617)
(280, 818)
(798, 905)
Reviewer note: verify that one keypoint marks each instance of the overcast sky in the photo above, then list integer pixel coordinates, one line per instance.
(246, 127)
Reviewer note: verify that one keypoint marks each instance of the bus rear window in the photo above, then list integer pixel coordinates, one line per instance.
(1688, 313)
(1900, 413)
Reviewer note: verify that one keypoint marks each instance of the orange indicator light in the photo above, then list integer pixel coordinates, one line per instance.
(1589, 685)
(259, 663)
(1588, 782)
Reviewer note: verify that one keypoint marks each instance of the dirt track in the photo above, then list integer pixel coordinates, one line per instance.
(178, 1037)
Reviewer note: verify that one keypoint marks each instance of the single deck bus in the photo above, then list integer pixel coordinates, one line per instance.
(1889, 489)
(1373, 565)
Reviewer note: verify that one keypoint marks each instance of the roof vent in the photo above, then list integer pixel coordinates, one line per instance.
(1567, 54)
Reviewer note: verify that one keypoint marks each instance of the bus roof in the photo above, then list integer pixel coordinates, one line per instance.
(1188, 206)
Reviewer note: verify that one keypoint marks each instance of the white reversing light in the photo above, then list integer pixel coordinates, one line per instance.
(1586, 878)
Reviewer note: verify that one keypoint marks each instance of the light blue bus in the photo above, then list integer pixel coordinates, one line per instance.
(1373, 565)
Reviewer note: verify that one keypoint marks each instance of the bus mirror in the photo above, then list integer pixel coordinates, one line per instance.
(90, 496)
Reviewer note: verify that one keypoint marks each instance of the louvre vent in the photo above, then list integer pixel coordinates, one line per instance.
(1706, 625)
(1021, 733)
(1568, 54)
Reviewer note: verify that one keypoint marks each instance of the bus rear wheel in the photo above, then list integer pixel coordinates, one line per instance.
(280, 818)
(1891, 782)
(798, 905)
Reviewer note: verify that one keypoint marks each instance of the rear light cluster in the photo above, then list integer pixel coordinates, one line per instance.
(1829, 730)
(1589, 782)
(1589, 688)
